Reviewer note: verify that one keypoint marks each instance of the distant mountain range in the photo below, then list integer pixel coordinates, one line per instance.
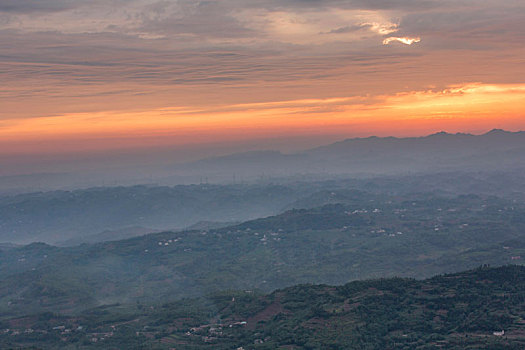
(376, 155)
(370, 156)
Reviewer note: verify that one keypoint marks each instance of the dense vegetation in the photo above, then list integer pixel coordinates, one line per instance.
(457, 311)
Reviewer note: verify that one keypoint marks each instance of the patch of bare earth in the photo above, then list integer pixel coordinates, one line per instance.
(267, 314)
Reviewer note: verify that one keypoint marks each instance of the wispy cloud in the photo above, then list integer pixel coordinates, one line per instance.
(35, 6)
(382, 28)
(379, 28)
(456, 107)
(75, 56)
(403, 40)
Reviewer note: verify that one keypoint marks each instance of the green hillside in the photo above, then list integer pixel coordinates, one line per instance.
(456, 311)
(370, 237)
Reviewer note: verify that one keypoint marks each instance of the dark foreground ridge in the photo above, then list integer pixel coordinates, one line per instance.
(482, 308)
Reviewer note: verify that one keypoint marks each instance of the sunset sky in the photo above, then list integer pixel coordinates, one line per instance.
(84, 77)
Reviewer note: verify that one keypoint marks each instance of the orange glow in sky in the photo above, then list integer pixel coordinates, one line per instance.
(457, 108)
(78, 78)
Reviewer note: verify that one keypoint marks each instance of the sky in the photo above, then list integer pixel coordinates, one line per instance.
(87, 78)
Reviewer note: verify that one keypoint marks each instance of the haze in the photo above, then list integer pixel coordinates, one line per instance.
(262, 174)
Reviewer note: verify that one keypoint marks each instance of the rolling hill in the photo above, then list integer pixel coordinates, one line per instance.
(365, 236)
(482, 308)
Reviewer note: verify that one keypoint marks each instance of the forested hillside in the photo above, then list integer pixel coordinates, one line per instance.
(478, 309)
(364, 236)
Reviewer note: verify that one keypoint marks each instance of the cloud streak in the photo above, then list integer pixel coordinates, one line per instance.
(402, 40)
(454, 108)
(35, 6)
(78, 59)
